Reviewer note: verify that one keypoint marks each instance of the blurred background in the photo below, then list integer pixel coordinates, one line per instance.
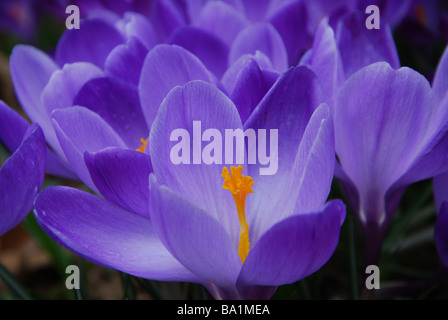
(33, 265)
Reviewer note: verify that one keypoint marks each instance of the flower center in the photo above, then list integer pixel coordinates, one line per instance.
(143, 146)
(240, 186)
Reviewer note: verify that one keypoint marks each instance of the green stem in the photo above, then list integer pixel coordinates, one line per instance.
(13, 283)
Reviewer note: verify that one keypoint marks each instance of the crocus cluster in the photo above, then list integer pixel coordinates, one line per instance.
(104, 106)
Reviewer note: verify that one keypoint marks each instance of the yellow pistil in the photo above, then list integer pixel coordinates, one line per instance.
(240, 186)
(143, 146)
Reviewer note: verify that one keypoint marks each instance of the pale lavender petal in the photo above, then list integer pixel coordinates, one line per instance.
(200, 183)
(60, 91)
(194, 237)
(391, 12)
(317, 10)
(208, 48)
(440, 89)
(377, 143)
(287, 108)
(360, 46)
(291, 23)
(111, 170)
(166, 17)
(326, 62)
(21, 178)
(106, 234)
(430, 161)
(118, 104)
(315, 162)
(30, 71)
(222, 20)
(165, 67)
(137, 26)
(64, 84)
(125, 61)
(263, 37)
(293, 249)
(256, 9)
(79, 130)
(440, 82)
(92, 42)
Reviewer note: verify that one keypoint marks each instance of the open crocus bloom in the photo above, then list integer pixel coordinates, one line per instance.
(239, 233)
(21, 177)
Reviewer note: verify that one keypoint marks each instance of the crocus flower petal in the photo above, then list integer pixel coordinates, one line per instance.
(392, 12)
(440, 82)
(287, 107)
(256, 9)
(79, 130)
(326, 62)
(291, 23)
(230, 77)
(204, 45)
(251, 79)
(60, 91)
(166, 16)
(138, 27)
(30, 71)
(165, 67)
(106, 234)
(64, 84)
(195, 238)
(110, 170)
(222, 20)
(21, 178)
(440, 89)
(118, 104)
(441, 232)
(125, 61)
(12, 127)
(315, 161)
(265, 38)
(92, 42)
(202, 102)
(376, 143)
(430, 162)
(293, 248)
(360, 47)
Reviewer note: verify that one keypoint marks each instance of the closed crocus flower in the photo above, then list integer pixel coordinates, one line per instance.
(231, 227)
(441, 181)
(22, 175)
(390, 129)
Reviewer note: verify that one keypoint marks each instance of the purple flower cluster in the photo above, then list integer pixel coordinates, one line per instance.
(104, 106)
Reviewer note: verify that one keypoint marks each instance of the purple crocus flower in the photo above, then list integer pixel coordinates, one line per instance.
(180, 222)
(440, 182)
(22, 175)
(80, 74)
(390, 131)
